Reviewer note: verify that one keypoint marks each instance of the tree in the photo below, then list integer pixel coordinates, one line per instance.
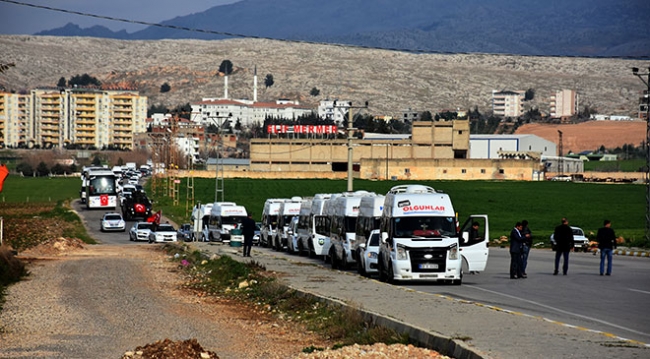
(58, 169)
(96, 161)
(120, 162)
(25, 168)
(42, 170)
(426, 116)
(156, 109)
(530, 94)
(61, 82)
(165, 88)
(314, 92)
(83, 80)
(225, 67)
(268, 81)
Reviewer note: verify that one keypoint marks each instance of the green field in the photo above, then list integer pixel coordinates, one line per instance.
(541, 203)
(610, 166)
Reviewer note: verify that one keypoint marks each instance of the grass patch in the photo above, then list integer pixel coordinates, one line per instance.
(224, 276)
(636, 165)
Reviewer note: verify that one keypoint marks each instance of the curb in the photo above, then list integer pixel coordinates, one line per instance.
(438, 342)
(621, 252)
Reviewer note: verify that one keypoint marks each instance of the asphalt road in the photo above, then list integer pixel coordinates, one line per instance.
(616, 304)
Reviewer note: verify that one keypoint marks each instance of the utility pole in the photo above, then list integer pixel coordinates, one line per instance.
(560, 160)
(645, 101)
(350, 130)
(219, 177)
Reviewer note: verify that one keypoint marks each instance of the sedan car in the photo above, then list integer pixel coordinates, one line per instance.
(163, 233)
(185, 232)
(368, 253)
(140, 231)
(112, 221)
(256, 236)
(580, 242)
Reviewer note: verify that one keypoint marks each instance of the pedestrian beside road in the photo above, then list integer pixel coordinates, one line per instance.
(606, 243)
(516, 243)
(248, 230)
(563, 236)
(528, 243)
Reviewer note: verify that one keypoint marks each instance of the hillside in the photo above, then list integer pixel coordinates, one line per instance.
(391, 81)
(590, 135)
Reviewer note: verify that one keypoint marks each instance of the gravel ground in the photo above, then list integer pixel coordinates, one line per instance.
(105, 301)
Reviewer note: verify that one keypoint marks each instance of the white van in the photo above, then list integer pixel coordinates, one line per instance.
(343, 224)
(370, 209)
(420, 238)
(289, 208)
(314, 235)
(303, 228)
(269, 220)
(224, 217)
(200, 220)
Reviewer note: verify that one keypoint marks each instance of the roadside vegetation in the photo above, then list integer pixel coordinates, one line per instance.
(223, 276)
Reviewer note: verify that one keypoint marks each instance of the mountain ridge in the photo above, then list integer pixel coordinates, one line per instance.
(601, 28)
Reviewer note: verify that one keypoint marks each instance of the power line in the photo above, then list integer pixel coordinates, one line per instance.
(366, 47)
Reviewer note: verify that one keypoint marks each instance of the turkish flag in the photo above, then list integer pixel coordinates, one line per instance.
(4, 172)
(103, 200)
(155, 218)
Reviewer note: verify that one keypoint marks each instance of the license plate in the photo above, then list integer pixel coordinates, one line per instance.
(429, 266)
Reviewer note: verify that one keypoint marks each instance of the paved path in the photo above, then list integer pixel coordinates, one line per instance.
(480, 331)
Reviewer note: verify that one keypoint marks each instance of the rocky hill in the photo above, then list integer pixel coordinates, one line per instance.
(391, 81)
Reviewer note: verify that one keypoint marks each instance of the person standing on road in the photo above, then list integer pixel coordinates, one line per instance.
(516, 243)
(528, 243)
(606, 243)
(563, 236)
(248, 230)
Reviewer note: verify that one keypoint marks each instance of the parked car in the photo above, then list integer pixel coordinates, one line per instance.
(161, 233)
(580, 242)
(112, 221)
(368, 253)
(140, 231)
(256, 237)
(185, 232)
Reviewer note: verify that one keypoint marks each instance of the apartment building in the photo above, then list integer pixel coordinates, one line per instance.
(508, 103)
(79, 117)
(218, 110)
(15, 118)
(564, 104)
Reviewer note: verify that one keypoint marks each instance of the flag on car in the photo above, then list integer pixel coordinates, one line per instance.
(155, 218)
(4, 172)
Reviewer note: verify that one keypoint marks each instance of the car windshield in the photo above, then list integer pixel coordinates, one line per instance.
(144, 225)
(425, 227)
(578, 232)
(112, 217)
(374, 240)
(165, 228)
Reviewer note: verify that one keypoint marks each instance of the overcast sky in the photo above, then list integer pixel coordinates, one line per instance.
(20, 19)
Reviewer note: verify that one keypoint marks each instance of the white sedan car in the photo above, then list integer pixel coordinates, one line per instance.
(163, 233)
(368, 253)
(112, 221)
(140, 231)
(580, 241)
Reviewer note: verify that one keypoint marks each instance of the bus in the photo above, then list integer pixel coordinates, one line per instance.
(100, 188)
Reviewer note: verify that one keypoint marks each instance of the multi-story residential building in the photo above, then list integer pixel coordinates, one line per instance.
(81, 117)
(334, 110)
(508, 103)
(16, 127)
(564, 104)
(217, 110)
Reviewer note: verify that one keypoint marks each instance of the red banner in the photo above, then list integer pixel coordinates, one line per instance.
(103, 200)
(304, 129)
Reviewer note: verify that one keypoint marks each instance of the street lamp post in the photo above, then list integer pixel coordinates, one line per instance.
(646, 100)
(350, 130)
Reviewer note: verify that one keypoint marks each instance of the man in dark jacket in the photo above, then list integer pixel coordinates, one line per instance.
(528, 243)
(563, 236)
(248, 230)
(606, 243)
(516, 243)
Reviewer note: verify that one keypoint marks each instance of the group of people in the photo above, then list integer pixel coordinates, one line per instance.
(521, 240)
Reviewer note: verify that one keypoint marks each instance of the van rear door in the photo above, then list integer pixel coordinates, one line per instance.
(475, 250)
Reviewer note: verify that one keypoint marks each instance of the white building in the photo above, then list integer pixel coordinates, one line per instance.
(508, 103)
(216, 111)
(564, 103)
(494, 146)
(335, 110)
